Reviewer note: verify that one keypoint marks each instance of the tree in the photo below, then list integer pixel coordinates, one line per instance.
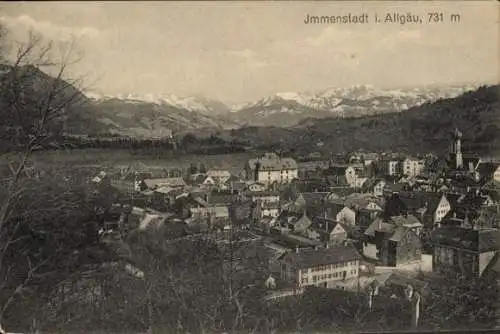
(45, 225)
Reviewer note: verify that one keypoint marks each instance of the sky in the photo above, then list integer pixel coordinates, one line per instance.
(242, 51)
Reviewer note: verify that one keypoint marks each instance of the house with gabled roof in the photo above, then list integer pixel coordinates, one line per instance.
(429, 207)
(327, 231)
(374, 187)
(394, 241)
(344, 175)
(319, 267)
(339, 211)
(297, 222)
(169, 181)
(463, 250)
(270, 168)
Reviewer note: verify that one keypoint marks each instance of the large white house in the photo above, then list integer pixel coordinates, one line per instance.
(270, 168)
(322, 267)
(412, 166)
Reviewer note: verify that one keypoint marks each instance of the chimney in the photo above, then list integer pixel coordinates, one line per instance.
(379, 223)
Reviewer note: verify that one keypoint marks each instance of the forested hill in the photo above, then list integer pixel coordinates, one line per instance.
(425, 128)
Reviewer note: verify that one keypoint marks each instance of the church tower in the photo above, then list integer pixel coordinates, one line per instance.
(456, 149)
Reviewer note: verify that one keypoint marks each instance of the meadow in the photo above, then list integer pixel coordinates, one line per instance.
(116, 158)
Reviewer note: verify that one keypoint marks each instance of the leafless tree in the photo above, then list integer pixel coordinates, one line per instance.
(33, 107)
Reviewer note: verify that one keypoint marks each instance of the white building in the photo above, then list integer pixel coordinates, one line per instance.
(309, 267)
(389, 167)
(270, 168)
(411, 166)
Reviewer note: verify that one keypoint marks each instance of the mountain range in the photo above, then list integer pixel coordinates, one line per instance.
(329, 118)
(419, 129)
(288, 109)
(149, 115)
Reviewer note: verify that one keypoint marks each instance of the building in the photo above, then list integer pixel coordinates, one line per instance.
(374, 187)
(296, 222)
(389, 166)
(340, 212)
(393, 242)
(173, 182)
(319, 267)
(327, 231)
(456, 159)
(270, 168)
(269, 209)
(412, 166)
(464, 251)
(429, 207)
(263, 196)
(342, 175)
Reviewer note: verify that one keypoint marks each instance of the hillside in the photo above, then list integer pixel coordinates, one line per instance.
(92, 116)
(419, 129)
(139, 119)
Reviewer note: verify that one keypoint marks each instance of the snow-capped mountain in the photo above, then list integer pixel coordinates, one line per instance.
(191, 103)
(143, 115)
(287, 109)
(148, 115)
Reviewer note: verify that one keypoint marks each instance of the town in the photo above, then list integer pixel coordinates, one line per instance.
(248, 168)
(368, 220)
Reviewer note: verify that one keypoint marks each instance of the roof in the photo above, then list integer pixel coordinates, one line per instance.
(219, 173)
(395, 187)
(469, 239)
(163, 190)
(170, 181)
(420, 199)
(302, 223)
(487, 169)
(359, 201)
(337, 180)
(220, 211)
(314, 198)
(333, 208)
(262, 193)
(323, 224)
(218, 198)
(238, 185)
(337, 170)
(308, 258)
(272, 162)
(391, 225)
(370, 183)
(267, 205)
(399, 233)
(291, 241)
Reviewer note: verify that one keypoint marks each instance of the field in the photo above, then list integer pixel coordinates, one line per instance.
(115, 159)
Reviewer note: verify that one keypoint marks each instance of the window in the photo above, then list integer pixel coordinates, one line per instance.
(314, 279)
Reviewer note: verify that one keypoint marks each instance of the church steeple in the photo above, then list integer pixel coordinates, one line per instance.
(456, 149)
